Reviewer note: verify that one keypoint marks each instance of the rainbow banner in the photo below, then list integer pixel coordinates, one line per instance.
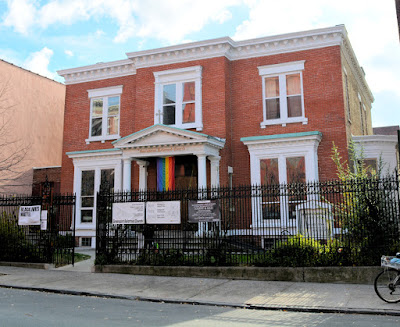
(166, 174)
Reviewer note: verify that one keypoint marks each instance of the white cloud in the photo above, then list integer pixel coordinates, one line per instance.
(21, 15)
(371, 25)
(69, 53)
(38, 62)
(167, 20)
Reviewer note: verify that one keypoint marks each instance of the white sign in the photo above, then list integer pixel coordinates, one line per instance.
(128, 213)
(163, 212)
(43, 220)
(29, 215)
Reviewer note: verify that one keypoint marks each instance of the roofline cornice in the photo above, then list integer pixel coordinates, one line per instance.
(99, 71)
(358, 73)
(223, 47)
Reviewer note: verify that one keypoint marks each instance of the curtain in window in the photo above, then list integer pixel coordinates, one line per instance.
(188, 103)
(293, 90)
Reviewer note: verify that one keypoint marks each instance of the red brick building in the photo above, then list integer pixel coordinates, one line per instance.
(255, 111)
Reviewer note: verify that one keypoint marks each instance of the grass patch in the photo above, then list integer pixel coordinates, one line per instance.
(81, 257)
(65, 259)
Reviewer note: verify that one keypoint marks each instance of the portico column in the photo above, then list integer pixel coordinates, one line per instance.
(214, 170)
(201, 185)
(142, 174)
(201, 171)
(126, 184)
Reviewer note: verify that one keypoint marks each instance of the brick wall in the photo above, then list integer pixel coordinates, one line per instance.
(232, 108)
(41, 175)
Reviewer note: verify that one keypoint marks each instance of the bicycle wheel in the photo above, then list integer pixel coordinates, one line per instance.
(387, 285)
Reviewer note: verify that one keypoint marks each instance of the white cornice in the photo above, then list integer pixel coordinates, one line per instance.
(98, 71)
(223, 47)
(381, 139)
(239, 50)
(358, 73)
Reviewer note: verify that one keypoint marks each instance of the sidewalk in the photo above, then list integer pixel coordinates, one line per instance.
(309, 297)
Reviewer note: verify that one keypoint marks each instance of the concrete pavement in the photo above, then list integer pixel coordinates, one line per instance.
(295, 296)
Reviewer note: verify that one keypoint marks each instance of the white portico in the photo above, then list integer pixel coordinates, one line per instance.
(114, 166)
(162, 141)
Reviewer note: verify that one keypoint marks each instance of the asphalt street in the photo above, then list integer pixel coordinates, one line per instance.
(33, 308)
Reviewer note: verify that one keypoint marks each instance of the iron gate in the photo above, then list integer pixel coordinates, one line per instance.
(53, 243)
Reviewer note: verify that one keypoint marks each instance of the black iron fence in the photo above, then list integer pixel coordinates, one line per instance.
(51, 242)
(313, 224)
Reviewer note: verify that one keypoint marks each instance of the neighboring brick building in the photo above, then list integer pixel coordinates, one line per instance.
(255, 111)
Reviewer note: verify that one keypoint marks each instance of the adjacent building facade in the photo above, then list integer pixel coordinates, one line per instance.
(258, 111)
(31, 126)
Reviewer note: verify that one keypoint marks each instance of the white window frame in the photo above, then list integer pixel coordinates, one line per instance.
(104, 94)
(96, 165)
(281, 148)
(347, 95)
(281, 70)
(178, 77)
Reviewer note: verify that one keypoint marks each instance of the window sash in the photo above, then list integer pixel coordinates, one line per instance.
(288, 105)
(181, 108)
(105, 122)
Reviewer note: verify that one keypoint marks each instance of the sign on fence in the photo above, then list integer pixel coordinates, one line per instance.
(29, 215)
(128, 213)
(163, 212)
(43, 220)
(204, 211)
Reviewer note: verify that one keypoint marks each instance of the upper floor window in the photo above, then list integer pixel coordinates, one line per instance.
(178, 98)
(104, 113)
(282, 93)
(362, 110)
(346, 86)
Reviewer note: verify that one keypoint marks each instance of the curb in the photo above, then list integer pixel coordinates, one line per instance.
(210, 303)
(45, 266)
(342, 275)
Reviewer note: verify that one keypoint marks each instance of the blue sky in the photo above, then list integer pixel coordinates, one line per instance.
(46, 36)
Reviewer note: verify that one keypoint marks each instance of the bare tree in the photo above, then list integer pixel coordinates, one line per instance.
(13, 150)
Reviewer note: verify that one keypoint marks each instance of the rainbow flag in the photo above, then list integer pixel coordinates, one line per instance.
(166, 174)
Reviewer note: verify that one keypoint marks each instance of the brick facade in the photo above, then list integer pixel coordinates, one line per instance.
(232, 105)
(232, 108)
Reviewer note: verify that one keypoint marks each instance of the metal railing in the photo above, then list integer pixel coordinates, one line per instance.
(51, 243)
(311, 224)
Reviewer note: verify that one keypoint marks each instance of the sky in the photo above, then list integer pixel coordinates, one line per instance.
(46, 36)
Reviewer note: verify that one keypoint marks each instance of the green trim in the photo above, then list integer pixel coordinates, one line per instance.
(91, 151)
(162, 125)
(279, 136)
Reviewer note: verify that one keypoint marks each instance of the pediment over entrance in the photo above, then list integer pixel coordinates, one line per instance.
(166, 136)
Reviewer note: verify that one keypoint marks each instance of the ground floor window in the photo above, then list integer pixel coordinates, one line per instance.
(281, 163)
(86, 241)
(285, 171)
(91, 182)
(87, 196)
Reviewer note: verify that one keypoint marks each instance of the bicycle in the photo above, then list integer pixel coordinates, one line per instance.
(387, 282)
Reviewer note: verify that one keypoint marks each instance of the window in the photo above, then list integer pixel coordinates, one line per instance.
(281, 158)
(89, 189)
(104, 113)
(274, 195)
(362, 109)
(178, 98)
(86, 241)
(282, 86)
(87, 196)
(346, 86)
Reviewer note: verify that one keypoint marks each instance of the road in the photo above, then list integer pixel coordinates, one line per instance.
(30, 308)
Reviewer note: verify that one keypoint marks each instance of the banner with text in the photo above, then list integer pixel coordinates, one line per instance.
(128, 213)
(204, 211)
(29, 215)
(163, 212)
